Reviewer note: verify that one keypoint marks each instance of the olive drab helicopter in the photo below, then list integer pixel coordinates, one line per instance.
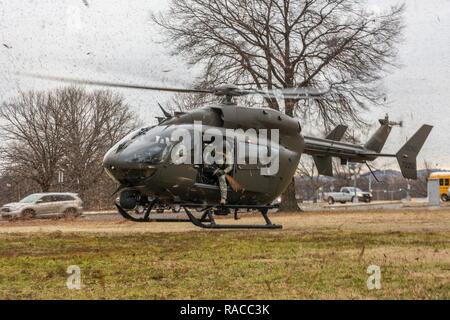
(143, 166)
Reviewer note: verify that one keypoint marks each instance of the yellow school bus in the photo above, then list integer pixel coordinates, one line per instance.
(444, 184)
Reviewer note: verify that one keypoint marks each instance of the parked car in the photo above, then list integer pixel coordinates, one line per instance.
(44, 204)
(347, 194)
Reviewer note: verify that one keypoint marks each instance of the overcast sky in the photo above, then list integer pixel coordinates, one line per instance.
(115, 40)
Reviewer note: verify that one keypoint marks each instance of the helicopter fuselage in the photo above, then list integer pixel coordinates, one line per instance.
(143, 161)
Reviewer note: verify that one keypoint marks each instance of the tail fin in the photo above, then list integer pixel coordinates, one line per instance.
(337, 134)
(407, 155)
(324, 165)
(378, 139)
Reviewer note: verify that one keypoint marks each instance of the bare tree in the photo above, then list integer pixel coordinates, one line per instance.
(191, 101)
(66, 130)
(32, 133)
(335, 44)
(289, 43)
(307, 169)
(185, 102)
(14, 187)
(93, 122)
(345, 175)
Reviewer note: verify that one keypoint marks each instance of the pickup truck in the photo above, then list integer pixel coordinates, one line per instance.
(347, 194)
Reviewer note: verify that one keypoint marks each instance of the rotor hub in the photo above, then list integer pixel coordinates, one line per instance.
(228, 91)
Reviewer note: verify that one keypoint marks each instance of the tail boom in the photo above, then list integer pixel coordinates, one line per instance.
(323, 149)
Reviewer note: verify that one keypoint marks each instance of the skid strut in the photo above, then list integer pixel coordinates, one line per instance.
(211, 224)
(146, 217)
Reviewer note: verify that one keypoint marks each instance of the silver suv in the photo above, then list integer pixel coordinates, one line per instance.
(44, 204)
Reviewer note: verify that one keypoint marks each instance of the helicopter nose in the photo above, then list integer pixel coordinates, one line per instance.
(111, 163)
(124, 171)
(111, 159)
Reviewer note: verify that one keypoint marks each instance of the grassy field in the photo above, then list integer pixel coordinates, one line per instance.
(316, 260)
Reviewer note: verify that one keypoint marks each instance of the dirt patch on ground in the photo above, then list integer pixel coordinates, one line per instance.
(370, 221)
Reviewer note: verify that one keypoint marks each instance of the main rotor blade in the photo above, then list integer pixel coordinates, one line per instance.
(291, 93)
(116, 84)
(225, 90)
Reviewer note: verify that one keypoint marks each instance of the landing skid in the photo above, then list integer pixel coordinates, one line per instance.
(146, 217)
(211, 224)
(207, 220)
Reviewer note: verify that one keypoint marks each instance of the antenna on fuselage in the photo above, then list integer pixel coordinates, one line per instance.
(166, 114)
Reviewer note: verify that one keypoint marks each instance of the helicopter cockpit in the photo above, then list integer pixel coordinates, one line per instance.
(133, 158)
(149, 145)
(137, 156)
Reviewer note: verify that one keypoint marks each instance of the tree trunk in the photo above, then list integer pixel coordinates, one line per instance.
(288, 200)
(289, 107)
(45, 187)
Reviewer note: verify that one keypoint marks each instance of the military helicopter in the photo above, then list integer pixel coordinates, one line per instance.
(148, 177)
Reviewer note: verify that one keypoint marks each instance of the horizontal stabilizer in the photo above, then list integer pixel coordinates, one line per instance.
(337, 134)
(324, 165)
(407, 155)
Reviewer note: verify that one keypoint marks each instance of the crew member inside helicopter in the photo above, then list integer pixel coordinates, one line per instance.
(218, 164)
(221, 172)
